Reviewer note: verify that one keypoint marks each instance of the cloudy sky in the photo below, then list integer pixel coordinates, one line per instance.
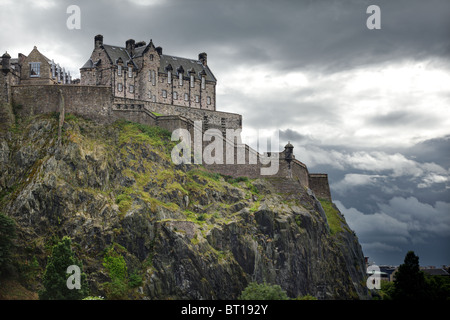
(368, 107)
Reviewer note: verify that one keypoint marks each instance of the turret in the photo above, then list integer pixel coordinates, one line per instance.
(288, 152)
(6, 61)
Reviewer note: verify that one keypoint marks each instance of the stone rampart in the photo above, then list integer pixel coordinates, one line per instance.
(98, 104)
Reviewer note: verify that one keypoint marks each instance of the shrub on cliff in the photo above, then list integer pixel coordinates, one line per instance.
(263, 291)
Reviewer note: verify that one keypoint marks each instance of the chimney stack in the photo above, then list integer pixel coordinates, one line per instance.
(159, 50)
(98, 41)
(203, 58)
(130, 45)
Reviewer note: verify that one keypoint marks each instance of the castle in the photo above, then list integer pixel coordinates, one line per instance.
(141, 84)
(140, 71)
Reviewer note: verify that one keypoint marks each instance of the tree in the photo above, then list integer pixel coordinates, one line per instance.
(55, 279)
(7, 235)
(263, 291)
(409, 281)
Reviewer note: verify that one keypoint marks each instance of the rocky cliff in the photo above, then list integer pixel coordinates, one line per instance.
(186, 232)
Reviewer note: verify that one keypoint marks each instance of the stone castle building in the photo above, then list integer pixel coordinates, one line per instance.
(141, 84)
(33, 69)
(141, 71)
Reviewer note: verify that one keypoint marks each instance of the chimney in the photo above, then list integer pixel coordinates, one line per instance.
(203, 58)
(98, 41)
(5, 61)
(159, 50)
(130, 45)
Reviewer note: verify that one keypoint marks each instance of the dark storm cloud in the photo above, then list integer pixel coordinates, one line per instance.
(328, 35)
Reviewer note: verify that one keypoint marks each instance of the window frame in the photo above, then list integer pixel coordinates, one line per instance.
(35, 66)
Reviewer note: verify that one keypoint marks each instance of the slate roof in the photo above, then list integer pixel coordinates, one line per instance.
(115, 52)
(188, 64)
(436, 272)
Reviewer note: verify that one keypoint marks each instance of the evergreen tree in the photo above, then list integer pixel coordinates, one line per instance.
(55, 275)
(409, 281)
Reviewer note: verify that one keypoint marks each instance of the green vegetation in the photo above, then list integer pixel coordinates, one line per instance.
(115, 264)
(263, 291)
(413, 284)
(334, 219)
(7, 235)
(121, 281)
(55, 277)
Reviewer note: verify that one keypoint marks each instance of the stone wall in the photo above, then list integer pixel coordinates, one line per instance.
(211, 119)
(98, 104)
(318, 183)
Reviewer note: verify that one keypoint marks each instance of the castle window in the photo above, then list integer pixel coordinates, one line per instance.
(151, 57)
(35, 69)
(192, 80)
(164, 94)
(149, 94)
(197, 98)
(169, 76)
(153, 78)
(186, 97)
(119, 70)
(131, 88)
(130, 72)
(180, 79)
(175, 95)
(203, 82)
(154, 98)
(208, 100)
(119, 87)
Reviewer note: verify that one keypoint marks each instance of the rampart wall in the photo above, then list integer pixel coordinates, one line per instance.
(98, 104)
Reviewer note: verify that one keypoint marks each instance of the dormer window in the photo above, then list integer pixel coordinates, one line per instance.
(192, 80)
(169, 76)
(151, 57)
(203, 82)
(35, 69)
(119, 70)
(130, 72)
(180, 79)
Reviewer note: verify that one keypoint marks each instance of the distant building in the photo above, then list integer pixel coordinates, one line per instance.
(432, 271)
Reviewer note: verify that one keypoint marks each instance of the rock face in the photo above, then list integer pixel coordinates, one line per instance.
(188, 233)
